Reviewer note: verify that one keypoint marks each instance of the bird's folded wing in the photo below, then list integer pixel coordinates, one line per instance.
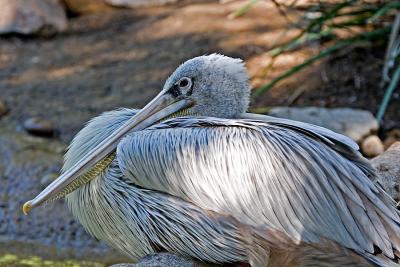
(266, 174)
(323, 133)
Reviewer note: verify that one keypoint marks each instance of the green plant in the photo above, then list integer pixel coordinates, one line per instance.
(322, 21)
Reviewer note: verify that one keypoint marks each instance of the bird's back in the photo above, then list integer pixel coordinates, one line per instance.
(261, 174)
(266, 174)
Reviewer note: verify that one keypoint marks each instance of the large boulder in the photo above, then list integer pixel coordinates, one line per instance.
(165, 260)
(355, 123)
(33, 16)
(388, 166)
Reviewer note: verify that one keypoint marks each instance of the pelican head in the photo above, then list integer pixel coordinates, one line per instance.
(213, 85)
(216, 84)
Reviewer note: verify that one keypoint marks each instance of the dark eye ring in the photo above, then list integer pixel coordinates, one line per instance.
(184, 82)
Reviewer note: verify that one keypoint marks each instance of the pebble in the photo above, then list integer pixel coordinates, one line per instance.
(3, 108)
(33, 16)
(39, 127)
(372, 146)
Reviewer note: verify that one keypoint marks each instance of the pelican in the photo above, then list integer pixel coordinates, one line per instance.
(193, 174)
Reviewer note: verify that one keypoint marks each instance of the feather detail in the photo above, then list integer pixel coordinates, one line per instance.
(265, 174)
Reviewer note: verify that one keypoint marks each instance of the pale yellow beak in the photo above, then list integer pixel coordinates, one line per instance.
(162, 106)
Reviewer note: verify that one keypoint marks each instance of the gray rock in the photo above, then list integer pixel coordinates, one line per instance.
(388, 166)
(39, 127)
(164, 260)
(354, 123)
(33, 16)
(138, 3)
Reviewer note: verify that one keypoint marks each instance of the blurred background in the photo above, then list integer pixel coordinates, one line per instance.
(333, 63)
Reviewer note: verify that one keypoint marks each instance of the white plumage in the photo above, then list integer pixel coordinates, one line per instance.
(222, 185)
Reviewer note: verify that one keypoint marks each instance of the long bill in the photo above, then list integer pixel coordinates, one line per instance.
(163, 105)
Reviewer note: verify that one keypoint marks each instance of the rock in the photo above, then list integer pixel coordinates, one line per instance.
(391, 137)
(138, 3)
(372, 146)
(388, 166)
(164, 260)
(354, 123)
(33, 16)
(39, 127)
(3, 108)
(83, 7)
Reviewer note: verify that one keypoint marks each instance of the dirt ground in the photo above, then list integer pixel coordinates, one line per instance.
(121, 58)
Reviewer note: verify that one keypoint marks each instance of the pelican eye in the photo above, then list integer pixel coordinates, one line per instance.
(185, 83)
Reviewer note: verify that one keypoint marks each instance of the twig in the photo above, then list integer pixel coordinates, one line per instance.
(297, 68)
(292, 98)
(389, 57)
(281, 11)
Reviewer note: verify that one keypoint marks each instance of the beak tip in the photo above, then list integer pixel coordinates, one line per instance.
(27, 207)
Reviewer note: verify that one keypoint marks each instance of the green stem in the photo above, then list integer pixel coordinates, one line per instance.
(384, 10)
(389, 91)
(333, 12)
(296, 43)
(244, 9)
(261, 90)
(338, 45)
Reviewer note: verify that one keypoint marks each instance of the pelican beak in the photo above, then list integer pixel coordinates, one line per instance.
(162, 106)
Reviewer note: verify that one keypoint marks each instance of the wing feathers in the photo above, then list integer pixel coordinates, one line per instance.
(280, 175)
(325, 134)
(369, 229)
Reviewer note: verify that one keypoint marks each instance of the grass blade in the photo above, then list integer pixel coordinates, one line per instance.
(243, 10)
(328, 51)
(389, 91)
(260, 91)
(384, 10)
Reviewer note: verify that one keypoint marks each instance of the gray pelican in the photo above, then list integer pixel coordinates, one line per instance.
(192, 173)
